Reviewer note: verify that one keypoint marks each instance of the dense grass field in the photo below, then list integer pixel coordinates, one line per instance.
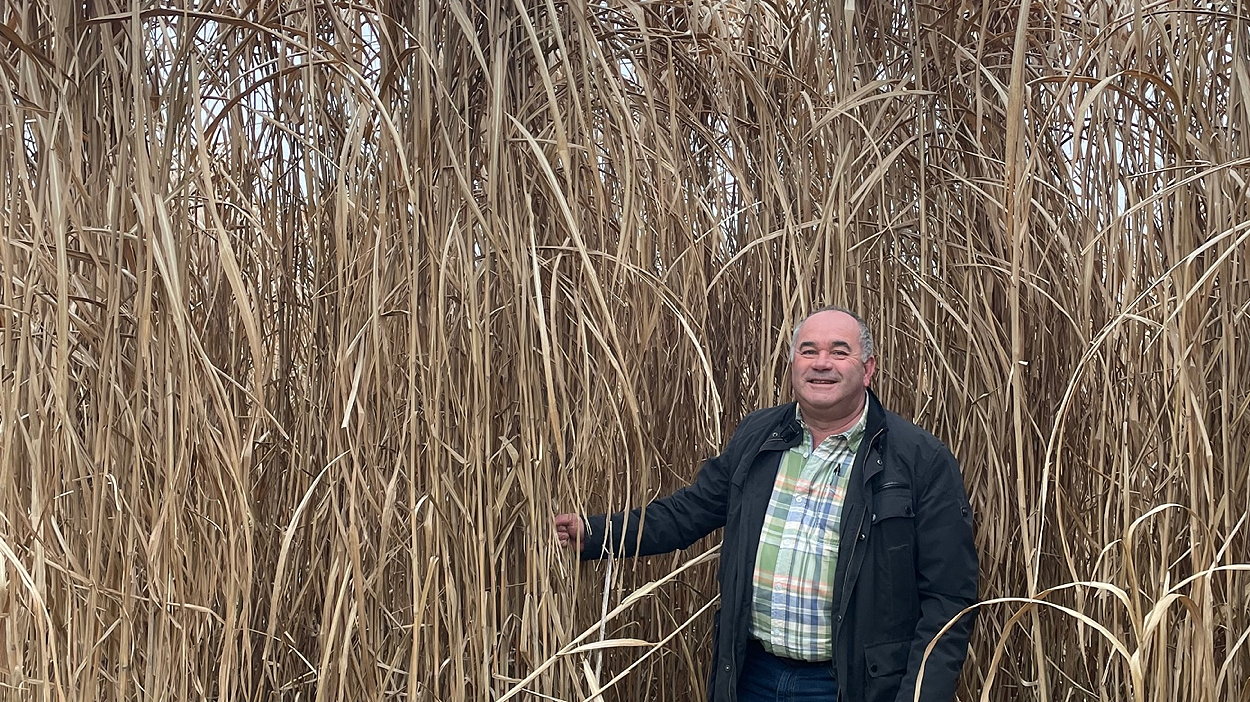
(313, 313)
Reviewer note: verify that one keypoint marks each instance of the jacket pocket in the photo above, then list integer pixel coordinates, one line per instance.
(893, 500)
(885, 664)
(893, 568)
(894, 520)
(888, 658)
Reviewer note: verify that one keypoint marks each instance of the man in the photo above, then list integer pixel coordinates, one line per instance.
(847, 544)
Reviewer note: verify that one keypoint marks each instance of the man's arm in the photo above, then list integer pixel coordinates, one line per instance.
(667, 524)
(946, 578)
(672, 522)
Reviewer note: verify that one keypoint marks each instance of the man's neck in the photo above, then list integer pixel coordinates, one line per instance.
(822, 428)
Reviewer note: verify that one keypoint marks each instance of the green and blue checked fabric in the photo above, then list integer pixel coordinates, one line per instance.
(792, 601)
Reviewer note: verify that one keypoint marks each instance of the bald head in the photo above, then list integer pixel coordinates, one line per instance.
(866, 345)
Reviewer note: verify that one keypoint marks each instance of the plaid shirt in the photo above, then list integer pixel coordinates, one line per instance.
(792, 600)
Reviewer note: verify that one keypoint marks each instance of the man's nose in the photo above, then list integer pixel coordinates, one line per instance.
(823, 360)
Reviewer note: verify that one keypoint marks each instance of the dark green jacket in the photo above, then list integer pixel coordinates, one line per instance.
(906, 564)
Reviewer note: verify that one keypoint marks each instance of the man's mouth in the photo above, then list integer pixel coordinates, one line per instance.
(821, 381)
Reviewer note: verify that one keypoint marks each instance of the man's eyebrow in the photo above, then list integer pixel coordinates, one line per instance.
(834, 344)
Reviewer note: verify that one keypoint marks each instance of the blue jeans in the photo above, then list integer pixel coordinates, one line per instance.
(767, 678)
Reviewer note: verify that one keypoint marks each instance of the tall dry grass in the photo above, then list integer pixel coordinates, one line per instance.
(311, 314)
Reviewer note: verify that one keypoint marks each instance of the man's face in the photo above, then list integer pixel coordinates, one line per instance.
(828, 375)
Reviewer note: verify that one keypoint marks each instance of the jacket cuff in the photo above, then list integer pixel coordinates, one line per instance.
(592, 537)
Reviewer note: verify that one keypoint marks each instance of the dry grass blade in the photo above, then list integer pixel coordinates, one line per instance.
(312, 314)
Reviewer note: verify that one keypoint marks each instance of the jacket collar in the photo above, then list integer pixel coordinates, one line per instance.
(876, 417)
(873, 432)
(787, 432)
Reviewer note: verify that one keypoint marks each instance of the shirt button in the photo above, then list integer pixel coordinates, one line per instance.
(727, 667)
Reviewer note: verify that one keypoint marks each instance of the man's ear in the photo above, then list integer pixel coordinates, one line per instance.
(870, 367)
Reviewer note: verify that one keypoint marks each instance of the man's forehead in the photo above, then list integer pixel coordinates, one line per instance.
(825, 339)
(829, 325)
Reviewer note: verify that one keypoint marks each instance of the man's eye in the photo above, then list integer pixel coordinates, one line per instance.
(840, 354)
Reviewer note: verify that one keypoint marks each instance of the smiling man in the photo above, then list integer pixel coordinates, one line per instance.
(847, 543)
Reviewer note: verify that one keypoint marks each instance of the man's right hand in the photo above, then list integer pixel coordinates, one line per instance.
(569, 530)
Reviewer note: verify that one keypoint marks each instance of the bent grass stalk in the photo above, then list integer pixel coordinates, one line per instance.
(312, 315)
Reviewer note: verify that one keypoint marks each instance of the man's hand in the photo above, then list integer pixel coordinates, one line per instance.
(569, 530)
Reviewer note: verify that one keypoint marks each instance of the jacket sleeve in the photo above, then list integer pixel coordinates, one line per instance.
(669, 523)
(946, 579)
